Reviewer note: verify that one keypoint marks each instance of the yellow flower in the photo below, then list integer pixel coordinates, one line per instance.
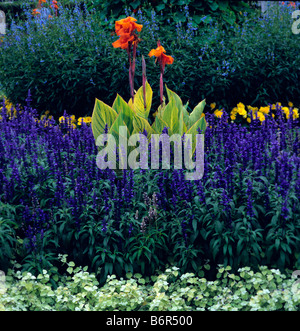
(88, 119)
(265, 110)
(80, 121)
(213, 105)
(273, 107)
(294, 111)
(42, 117)
(248, 119)
(290, 104)
(252, 108)
(62, 119)
(47, 124)
(273, 115)
(241, 105)
(72, 118)
(285, 109)
(241, 110)
(234, 111)
(233, 116)
(261, 116)
(218, 113)
(47, 112)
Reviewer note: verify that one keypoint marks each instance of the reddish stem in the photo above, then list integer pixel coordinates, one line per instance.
(161, 85)
(130, 71)
(144, 81)
(133, 69)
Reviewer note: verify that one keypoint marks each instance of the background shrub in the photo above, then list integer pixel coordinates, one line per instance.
(68, 61)
(201, 11)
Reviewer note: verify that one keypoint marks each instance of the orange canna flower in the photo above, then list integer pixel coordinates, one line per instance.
(163, 59)
(127, 25)
(40, 4)
(54, 2)
(125, 29)
(35, 12)
(123, 41)
(159, 52)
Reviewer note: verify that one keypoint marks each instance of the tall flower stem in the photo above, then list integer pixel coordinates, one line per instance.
(144, 81)
(130, 72)
(162, 59)
(161, 80)
(161, 83)
(133, 69)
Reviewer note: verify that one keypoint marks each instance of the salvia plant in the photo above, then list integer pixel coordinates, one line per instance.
(243, 212)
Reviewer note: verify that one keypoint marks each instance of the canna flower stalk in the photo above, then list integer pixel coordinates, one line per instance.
(55, 6)
(163, 59)
(144, 80)
(36, 12)
(128, 40)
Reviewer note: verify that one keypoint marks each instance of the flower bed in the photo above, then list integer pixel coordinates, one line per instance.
(66, 190)
(54, 199)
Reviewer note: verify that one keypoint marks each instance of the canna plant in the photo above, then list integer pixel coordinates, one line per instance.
(134, 114)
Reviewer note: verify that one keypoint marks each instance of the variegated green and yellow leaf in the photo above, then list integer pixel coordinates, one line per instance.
(138, 104)
(196, 113)
(122, 107)
(183, 109)
(193, 130)
(102, 115)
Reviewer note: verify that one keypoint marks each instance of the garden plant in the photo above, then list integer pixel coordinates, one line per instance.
(75, 236)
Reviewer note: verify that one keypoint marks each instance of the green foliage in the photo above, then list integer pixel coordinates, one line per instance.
(8, 238)
(173, 10)
(62, 57)
(134, 117)
(14, 10)
(69, 61)
(172, 290)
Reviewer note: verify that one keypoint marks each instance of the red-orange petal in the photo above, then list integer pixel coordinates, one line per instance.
(117, 43)
(167, 59)
(157, 52)
(123, 41)
(127, 25)
(138, 27)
